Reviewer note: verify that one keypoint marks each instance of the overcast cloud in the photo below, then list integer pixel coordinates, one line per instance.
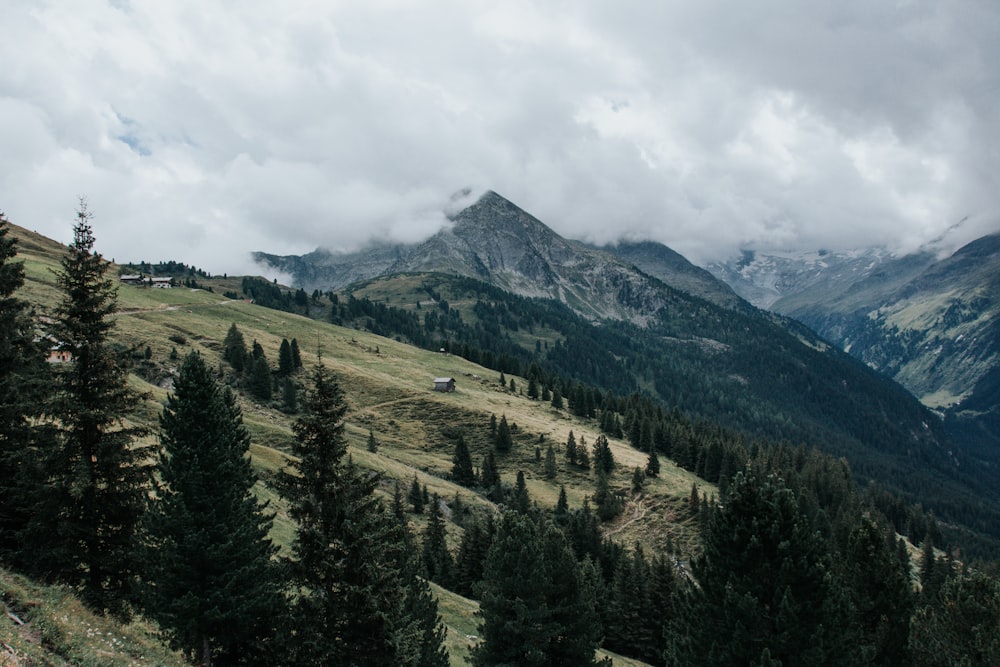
(201, 130)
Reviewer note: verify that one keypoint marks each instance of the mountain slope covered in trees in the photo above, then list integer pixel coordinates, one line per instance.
(665, 327)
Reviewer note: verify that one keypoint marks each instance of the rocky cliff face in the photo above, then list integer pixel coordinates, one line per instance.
(496, 242)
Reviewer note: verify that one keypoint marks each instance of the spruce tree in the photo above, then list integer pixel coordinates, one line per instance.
(562, 504)
(23, 382)
(503, 441)
(765, 586)
(100, 475)
(352, 600)
(603, 457)
(608, 504)
(416, 496)
(289, 396)
(489, 477)
(234, 349)
(436, 558)
(534, 610)
(962, 627)
(521, 500)
(571, 449)
(879, 586)
(582, 457)
(286, 365)
(471, 557)
(260, 377)
(551, 469)
(462, 470)
(653, 465)
(209, 578)
(296, 355)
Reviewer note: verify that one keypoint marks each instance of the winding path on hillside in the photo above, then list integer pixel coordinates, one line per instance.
(638, 513)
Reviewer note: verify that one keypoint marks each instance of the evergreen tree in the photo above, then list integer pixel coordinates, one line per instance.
(23, 379)
(209, 579)
(435, 556)
(571, 449)
(521, 501)
(472, 550)
(421, 606)
(608, 504)
(290, 396)
(962, 627)
(286, 365)
(416, 496)
(603, 457)
(562, 505)
(880, 591)
(234, 349)
(462, 470)
(551, 470)
(503, 441)
(582, 457)
(260, 378)
(932, 572)
(372, 445)
(533, 608)
(766, 591)
(489, 477)
(351, 567)
(99, 474)
(638, 479)
(296, 355)
(557, 399)
(653, 465)
(398, 507)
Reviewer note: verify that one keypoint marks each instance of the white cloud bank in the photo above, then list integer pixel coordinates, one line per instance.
(200, 131)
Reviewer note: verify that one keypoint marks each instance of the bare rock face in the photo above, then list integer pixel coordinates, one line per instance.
(495, 241)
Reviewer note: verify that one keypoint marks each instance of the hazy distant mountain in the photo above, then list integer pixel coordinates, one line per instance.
(931, 324)
(495, 241)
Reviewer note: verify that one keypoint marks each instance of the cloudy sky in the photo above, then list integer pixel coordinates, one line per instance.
(201, 130)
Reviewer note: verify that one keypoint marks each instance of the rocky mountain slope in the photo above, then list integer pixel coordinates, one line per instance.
(496, 242)
(931, 324)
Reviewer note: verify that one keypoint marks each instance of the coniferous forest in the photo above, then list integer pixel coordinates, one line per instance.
(788, 559)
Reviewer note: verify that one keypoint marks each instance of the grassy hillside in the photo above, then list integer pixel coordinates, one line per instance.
(389, 388)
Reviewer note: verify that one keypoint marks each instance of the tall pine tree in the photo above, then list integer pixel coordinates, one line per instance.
(210, 581)
(462, 470)
(766, 589)
(100, 475)
(351, 567)
(534, 608)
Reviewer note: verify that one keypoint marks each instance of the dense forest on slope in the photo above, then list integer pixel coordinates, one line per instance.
(710, 364)
(546, 543)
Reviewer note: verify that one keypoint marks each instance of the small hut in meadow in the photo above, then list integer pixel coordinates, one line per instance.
(444, 384)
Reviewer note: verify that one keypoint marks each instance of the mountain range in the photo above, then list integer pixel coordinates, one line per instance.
(663, 327)
(931, 323)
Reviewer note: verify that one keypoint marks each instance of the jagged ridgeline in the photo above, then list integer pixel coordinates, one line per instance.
(504, 290)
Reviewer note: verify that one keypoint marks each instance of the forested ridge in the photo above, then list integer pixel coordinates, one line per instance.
(785, 559)
(711, 365)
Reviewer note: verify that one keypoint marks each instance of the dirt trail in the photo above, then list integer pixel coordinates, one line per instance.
(638, 513)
